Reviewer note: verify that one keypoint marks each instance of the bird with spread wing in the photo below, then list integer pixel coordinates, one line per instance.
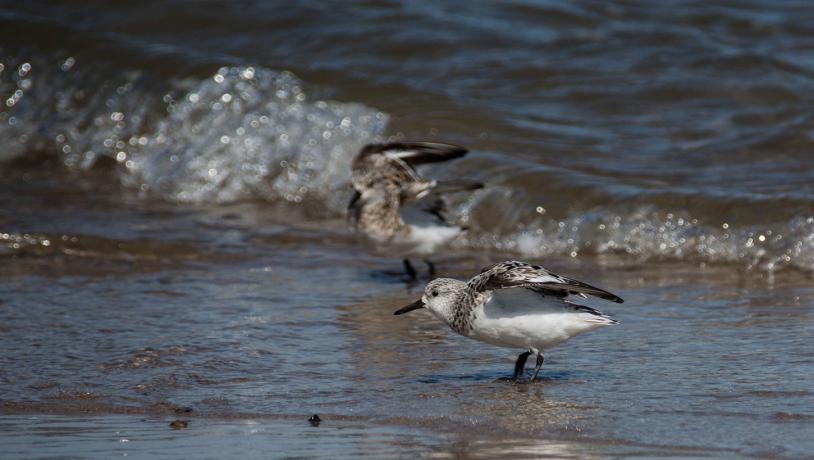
(515, 305)
(395, 208)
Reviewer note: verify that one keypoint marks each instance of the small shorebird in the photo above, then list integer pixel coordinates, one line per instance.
(514, 305)
(384, 181)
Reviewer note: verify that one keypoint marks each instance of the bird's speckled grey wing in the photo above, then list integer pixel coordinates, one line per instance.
(414, 153)
(383, 172)
(394, 163)
(378, 169)
(512, 274)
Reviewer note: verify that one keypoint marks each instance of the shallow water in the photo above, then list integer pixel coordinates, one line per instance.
(172, 242)
(272, 320)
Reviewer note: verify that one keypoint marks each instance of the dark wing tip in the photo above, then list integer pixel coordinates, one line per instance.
(450, 149)
(455, 186)
(612, 298)
(602, 294)
(470, 185)
(605, 295)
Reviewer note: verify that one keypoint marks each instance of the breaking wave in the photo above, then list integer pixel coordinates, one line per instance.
(248, 132)
(648, 234)
(245, 132)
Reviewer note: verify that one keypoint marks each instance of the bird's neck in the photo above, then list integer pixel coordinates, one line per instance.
(464, 312)
(380, 218)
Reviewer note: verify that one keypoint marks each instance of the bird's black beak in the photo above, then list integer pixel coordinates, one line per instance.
(413, 306)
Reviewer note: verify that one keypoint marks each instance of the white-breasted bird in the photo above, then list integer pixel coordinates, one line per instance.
(514, 305)
(385, 181)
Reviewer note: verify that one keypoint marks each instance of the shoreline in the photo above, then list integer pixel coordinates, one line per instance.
(432, 435)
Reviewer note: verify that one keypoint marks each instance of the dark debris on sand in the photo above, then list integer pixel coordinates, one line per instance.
(178, 424)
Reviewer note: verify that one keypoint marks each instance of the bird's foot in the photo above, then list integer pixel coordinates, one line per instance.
(539, 364)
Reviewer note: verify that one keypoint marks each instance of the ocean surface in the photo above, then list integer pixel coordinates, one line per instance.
(173, 180)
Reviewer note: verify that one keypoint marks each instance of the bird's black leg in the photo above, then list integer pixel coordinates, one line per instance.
(520, 365)
(540, 360)
(408, 267)
(431, 267)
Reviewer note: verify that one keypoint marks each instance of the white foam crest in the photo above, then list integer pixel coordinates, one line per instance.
(252, 133)
(67, 109)
(245, 132)
(649, 234)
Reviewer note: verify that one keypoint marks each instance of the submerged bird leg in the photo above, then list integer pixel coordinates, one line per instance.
(430, 266)
(540, 360)
(520, 365)
(408, 267)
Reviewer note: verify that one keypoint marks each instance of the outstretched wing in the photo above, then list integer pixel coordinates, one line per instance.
(391, 168)
(415, 153)
(513, 274)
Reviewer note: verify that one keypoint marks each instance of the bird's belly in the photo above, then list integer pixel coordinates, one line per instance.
(540, 331)
(424, 240)
(419, 241)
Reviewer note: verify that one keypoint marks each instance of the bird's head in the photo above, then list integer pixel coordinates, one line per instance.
(439, 297)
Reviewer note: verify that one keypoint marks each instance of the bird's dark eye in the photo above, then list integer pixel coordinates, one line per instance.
(434, 293)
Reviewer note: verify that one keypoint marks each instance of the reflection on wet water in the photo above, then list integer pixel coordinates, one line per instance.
(151, 436)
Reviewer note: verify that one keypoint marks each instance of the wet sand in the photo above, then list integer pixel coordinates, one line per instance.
(272, 437)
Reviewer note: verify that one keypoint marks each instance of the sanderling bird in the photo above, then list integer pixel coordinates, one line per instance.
(515, 305)
(385, 180)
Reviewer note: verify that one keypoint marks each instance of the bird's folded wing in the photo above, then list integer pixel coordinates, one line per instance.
(513, 274)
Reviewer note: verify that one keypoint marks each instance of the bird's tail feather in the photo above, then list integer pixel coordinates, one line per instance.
(595, 316)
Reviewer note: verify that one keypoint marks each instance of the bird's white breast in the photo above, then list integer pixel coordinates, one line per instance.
(425, 239)
(521, 318)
